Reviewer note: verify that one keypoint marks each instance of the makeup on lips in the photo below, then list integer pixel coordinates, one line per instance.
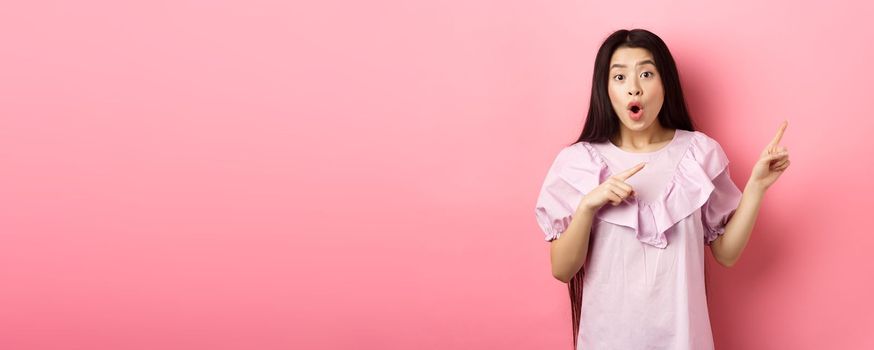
(635, 110)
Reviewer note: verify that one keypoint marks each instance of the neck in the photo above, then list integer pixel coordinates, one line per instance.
(642, 140)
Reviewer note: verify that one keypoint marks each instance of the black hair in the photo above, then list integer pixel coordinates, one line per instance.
(602, 123)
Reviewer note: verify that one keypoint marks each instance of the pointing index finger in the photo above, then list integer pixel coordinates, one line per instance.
(628, 173)
(776, 140)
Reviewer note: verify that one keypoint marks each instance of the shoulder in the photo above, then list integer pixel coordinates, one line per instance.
(704, 139)
(568, 153)
(708, 153)
(580, 153)
(577, 166)
(707, 144)
(576, 160)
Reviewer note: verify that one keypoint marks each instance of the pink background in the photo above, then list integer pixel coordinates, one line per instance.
(362, 175)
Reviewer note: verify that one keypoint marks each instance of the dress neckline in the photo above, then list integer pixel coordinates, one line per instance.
(701, 159)
(678, 134)
(669, 144)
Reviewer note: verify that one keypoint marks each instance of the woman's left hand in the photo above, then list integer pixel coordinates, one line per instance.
(772, 162)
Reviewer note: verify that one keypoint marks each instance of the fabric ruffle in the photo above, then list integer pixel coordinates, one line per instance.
(560, 194)
(689, 189)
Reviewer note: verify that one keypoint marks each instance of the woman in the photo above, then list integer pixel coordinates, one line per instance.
(635, 268)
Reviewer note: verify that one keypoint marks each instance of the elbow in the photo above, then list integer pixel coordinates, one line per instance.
(562, 269)
(564, 278)
(564, 274)
(727, 263)
(724, 258)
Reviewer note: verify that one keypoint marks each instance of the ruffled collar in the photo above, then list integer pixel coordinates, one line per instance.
(688, 189)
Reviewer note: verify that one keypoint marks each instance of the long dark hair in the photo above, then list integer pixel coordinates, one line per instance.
(602, 123)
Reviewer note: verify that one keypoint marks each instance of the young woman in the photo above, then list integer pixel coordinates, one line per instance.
(635, 267)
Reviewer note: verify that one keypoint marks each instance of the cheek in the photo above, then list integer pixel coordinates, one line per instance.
(656, 91)
(658, 88)
(614, 93)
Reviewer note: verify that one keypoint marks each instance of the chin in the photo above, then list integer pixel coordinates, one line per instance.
(641, 124)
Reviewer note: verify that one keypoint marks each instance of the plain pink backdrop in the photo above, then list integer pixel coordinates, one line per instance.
(362, 175)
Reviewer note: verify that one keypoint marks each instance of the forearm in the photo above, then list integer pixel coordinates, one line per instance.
(568, 252)
(728, 248)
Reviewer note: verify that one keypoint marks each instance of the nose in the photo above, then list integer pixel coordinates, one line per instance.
(634, 88)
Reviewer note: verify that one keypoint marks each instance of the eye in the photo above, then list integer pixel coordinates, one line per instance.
(645, 73)
(618, 77)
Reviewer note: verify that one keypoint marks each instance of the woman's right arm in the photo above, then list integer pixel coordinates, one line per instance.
(568, 252)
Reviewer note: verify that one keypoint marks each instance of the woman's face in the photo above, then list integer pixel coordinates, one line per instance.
(634, 81)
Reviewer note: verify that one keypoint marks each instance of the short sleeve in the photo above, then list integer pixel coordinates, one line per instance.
(558, 198)
(723, 201)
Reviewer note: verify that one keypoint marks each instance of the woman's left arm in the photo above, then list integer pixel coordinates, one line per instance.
(772, 162)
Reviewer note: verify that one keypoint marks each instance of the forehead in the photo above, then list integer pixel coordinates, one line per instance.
(630, 56)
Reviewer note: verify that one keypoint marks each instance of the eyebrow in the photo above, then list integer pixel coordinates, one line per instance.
(617, 65)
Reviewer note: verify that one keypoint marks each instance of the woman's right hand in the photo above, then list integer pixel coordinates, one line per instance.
(613, 190)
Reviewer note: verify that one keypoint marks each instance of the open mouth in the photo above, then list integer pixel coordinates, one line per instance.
(635, 110)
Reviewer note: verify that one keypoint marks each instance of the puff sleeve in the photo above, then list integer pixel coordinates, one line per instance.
(723, 201)
(573, 173)
(555, 206)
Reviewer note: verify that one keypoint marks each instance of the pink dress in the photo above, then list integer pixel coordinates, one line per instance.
(643, 284)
